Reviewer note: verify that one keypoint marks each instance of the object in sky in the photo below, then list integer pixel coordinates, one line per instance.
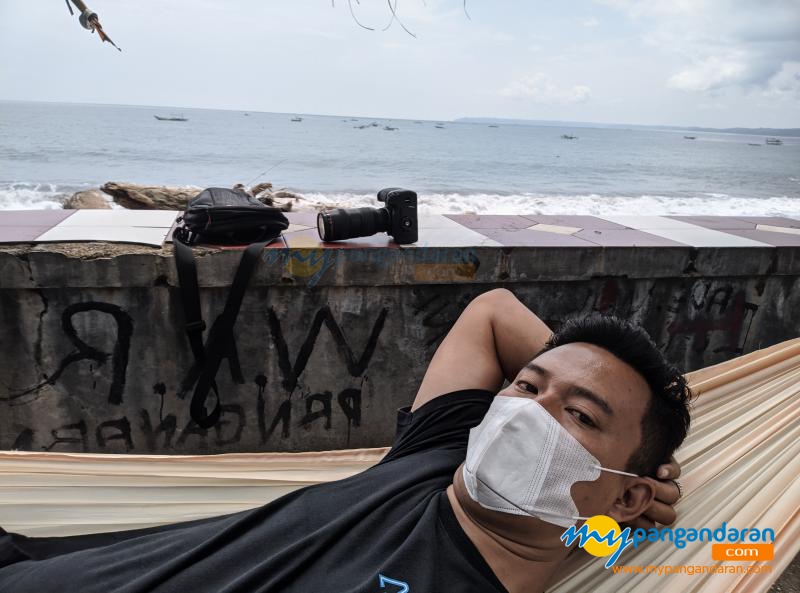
(173, 118)
(90, 21)
(774, 141)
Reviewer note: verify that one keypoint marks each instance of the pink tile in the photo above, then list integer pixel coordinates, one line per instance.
(716, 222)
(777, 239)
(490, 221)
(773, 220)
(584, 222)
(304, 218)
(34, 218)
(21, 234)
(625, 238)
(526, 237)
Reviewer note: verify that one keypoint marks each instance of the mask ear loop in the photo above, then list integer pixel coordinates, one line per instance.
(528, 513)
(615, 471)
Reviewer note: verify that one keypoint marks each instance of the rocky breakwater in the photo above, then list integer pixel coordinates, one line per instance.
(159, 197)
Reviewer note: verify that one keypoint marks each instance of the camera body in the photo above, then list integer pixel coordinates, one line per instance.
(402, 207)
(398, 218)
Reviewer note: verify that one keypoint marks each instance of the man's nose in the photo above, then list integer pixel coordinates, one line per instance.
(549, 400)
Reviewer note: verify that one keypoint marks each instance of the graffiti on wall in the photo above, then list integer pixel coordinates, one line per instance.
(695, 321)
(147, 429)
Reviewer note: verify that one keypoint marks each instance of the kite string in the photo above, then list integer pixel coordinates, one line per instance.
(249, 183)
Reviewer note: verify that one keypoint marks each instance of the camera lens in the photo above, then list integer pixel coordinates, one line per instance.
(341, 223)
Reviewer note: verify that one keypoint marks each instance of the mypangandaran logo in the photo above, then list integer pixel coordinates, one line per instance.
(602, 536)
(430, 264)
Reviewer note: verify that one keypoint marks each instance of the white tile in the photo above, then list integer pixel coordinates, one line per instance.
(456, 237)
(297, 227)
(554, 228)
(777, 229)
(647, 223)
(123, 218)
(110, 234)
(684, 232)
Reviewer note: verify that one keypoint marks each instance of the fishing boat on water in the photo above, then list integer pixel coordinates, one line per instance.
(297, 119)
(774, 141)
(171, 118)
(568, 137)
(690, 137)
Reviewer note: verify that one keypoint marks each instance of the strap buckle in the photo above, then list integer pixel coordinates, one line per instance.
(196, 326)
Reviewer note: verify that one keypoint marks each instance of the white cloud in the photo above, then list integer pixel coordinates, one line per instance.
(540, 88)
(722, 43)
(709, 74)
(786, 83)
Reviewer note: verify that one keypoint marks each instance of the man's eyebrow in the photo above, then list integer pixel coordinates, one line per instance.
(600, 402)
(593, 397)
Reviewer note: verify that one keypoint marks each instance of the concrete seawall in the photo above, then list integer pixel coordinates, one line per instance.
(333, 340)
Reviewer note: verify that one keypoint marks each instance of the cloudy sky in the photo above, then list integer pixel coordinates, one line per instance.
(675, 62)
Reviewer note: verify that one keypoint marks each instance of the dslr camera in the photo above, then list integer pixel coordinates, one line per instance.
(398, 218)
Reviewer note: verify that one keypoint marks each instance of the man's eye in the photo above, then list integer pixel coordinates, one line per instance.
(582, 418)
(528, 387)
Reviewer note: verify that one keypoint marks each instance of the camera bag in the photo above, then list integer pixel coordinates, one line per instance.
(223, 217)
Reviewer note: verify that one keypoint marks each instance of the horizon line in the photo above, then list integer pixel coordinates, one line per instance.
(516, 120)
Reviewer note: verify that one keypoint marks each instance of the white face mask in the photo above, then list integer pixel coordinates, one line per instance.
(521, 461)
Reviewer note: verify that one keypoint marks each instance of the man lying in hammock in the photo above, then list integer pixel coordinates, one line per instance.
(472, 498)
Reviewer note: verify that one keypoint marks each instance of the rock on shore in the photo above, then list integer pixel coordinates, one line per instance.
(89, 199)
(150, 197)
(157, 197)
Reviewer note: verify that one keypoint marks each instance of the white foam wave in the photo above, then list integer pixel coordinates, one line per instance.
(38, 196)
(31, 196)
(589, 204)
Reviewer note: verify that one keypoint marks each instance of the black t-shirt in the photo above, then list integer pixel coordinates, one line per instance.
(389, 529)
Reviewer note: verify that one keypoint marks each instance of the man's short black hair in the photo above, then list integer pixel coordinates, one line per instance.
(666, 419)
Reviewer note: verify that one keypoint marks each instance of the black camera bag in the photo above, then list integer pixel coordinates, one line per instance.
(223, 217)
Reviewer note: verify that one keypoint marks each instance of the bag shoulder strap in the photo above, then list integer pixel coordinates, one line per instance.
(190, 298)
(221, 342)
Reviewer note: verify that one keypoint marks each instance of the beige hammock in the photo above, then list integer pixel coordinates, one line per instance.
(741, 465)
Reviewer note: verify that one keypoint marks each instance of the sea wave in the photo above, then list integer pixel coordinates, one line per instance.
(39, 196)
(32, 196)
(589, 204)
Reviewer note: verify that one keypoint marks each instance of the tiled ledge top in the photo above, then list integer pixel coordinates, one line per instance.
(452, 230)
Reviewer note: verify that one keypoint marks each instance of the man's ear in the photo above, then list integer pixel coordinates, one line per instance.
(637, 497)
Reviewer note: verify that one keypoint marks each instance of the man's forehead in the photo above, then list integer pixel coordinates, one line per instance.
(593, 368)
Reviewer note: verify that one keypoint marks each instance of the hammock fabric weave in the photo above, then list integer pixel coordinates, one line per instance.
(741, 465)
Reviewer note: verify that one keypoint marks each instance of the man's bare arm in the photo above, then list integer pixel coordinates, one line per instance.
(495, 336)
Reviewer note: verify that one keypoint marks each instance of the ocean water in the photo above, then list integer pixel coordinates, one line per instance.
(49, 151)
